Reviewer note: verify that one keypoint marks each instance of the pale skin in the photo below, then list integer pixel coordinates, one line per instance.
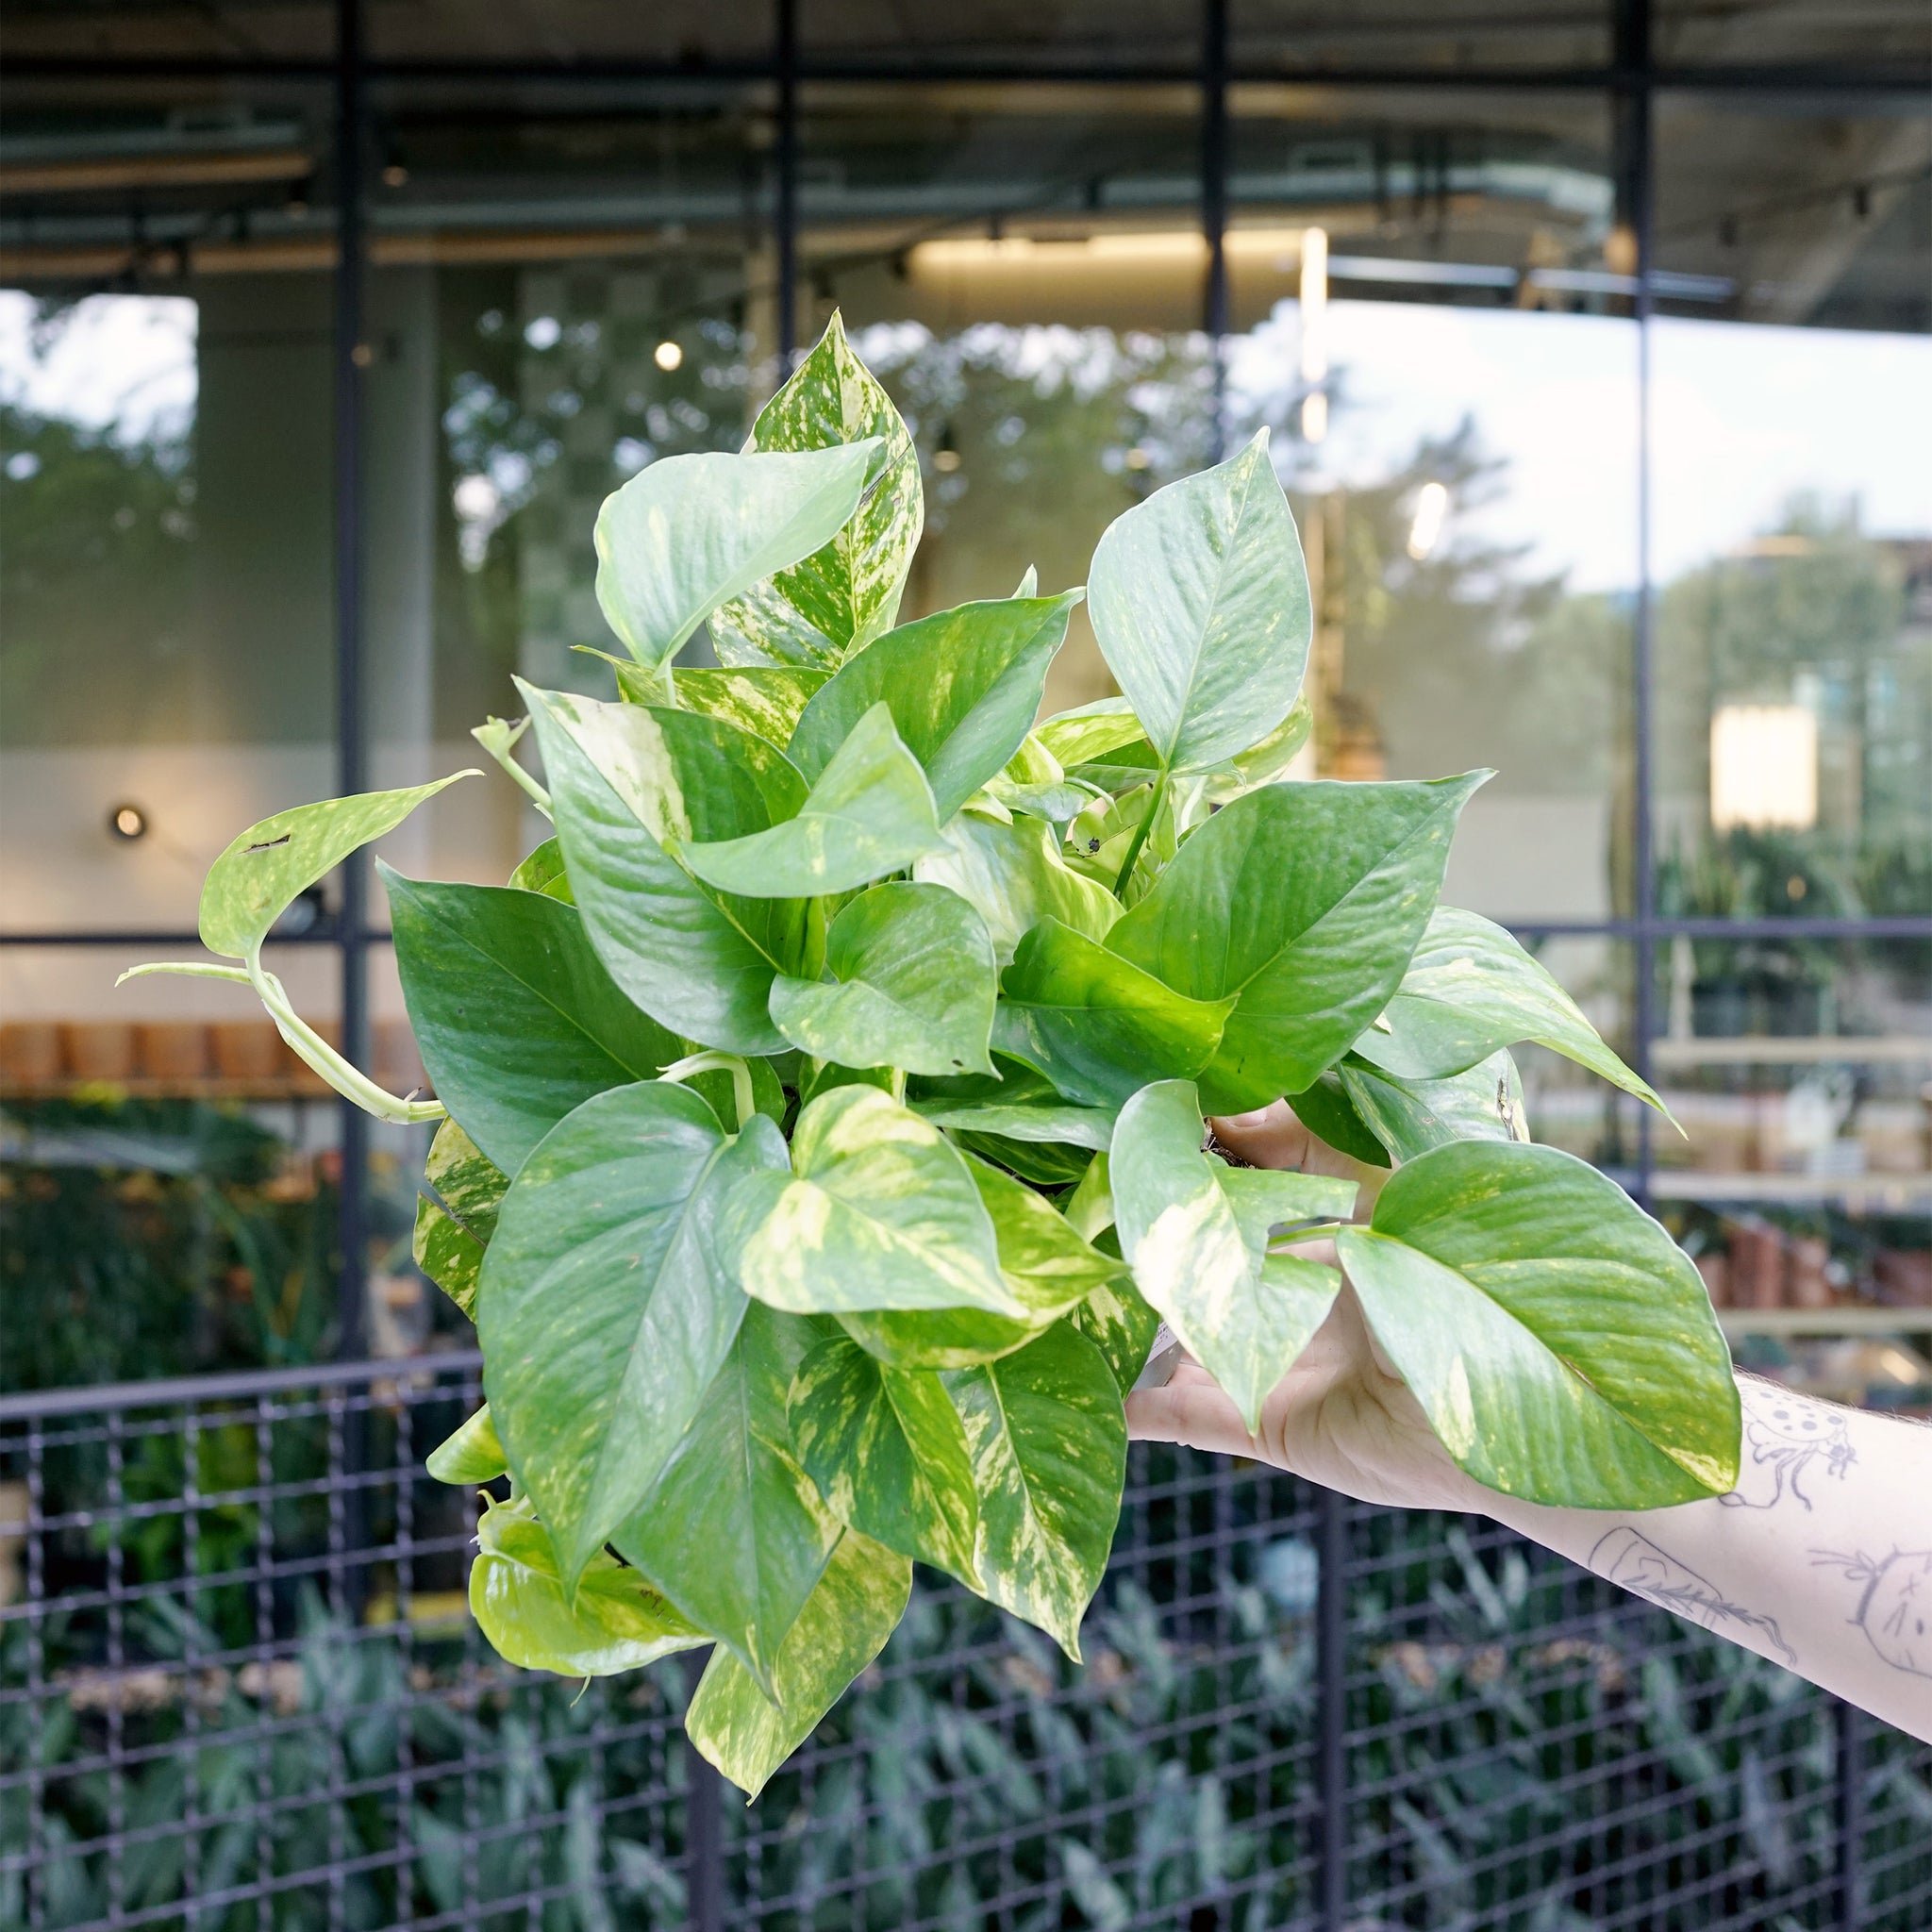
(1819, 1559)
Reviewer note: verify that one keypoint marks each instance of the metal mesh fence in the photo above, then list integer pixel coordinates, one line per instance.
(239, 1689)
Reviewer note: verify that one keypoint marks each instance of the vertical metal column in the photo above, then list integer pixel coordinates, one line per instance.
(1634, 137)
(1214, 318)
(1331, 1663)
(704, 1825)
(1850, 1818)
(786, 162)
(351, 356)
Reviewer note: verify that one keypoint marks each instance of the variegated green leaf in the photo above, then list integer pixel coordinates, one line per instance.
(611, 1622)
(911, 983)
(1196, 1232)
(1409, 1117)
(766, 699)
(870, 814)
(735, 1533)
(879, 1212)
(1560, 1341)
(466, 1180)
(887, 1449)
(1049, 1446)
(1013, 877)
(1119, 1322)
(470, 1454)
(688, 532)
(447, 1253)
(544, 872)
(843, 1625)
(838, 600)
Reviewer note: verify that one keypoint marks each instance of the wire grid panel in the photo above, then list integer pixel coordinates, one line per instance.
(241, 1690)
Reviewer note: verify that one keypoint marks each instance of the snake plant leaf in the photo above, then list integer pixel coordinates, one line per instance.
(887, 1449)
(471, 1454)
(688, 533)
(843, 1625)
(1200, 603)
(766, 699)
(447, 1253)
(870, 814)
(543, 871)
(735, 1533)
(1049, 1444)
(1472, 988)
(628, 783)
(836, 601)
(1196, 1232)
(879, 1212)
(513, 1012)
(1122, 1324)
(1095, 1024)
(1303, 903)
(275, 861)
(1013, 877)
(1326, 1110)
(963, 687)
(912, 985)
(466, 1180)
(611, 1621)
(606, 1308)
(1560, 1341)
(1409, 1117)
(1076, 737)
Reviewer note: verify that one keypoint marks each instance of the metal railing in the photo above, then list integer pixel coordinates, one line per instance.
(239, 1688)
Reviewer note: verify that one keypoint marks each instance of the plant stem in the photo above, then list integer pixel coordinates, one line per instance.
(1140, 831)
(713, 1061)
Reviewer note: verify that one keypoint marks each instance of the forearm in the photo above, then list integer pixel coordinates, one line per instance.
(1820, 1559)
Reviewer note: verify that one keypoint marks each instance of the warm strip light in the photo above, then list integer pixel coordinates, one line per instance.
(1763, 767)
(1277, 248)
(1314, 293)
(1314, 416)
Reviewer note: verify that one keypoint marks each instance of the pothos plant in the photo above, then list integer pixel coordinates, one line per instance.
(822, 1107)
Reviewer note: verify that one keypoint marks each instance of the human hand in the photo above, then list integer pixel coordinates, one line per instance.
(1341, 1416)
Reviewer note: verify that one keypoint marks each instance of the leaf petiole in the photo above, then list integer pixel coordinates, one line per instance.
(1140, 831)
(714, 1061)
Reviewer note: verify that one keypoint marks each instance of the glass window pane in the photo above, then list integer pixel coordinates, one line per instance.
(565, 286)
(166, 610)
(1792, 536)
(1023, 268)
(1692, 32)
(1330, 36)
(1476, 581)
(1802, 1072)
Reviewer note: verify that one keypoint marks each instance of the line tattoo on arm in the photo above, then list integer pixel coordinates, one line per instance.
(1622, 1556)
(1895, 1610)
(1788, 1437)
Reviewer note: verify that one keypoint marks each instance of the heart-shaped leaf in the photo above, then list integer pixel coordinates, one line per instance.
(1088, 731)
(544, 872)
(688, 532)
(610, 1623)
(606, 1307)
(912, 985)
(963, 687)
(765, 699)
(870, 814)
(1471, 989)
(1095, 1023)
(1561, 1343)
(879, 1212)
(628, 783)
(735, 1534)
(1013, 877)
(1301, 904)
(1409, 1117)
(845, 594)
(1196, 1233)
(1049, 1446)
(843, 1625)
(888, 1452)
(1200, 602)
(275, 861)
(513, 1012)
(471, 1454)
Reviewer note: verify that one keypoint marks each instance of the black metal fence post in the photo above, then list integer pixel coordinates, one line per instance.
(704, 1826)
(1331, 1662)
(1214, 316)
(785, 213)
(1850, 1819)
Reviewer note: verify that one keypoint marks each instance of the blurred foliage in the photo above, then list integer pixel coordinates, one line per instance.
(157, 1237)
(1528, 1751)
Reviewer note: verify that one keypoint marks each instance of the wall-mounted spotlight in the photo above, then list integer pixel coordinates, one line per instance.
(945, 459)
(301, 196)
(127, 823)
(668, 356)
(396, 172)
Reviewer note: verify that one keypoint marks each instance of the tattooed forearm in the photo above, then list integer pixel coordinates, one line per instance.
(1819, 1559)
